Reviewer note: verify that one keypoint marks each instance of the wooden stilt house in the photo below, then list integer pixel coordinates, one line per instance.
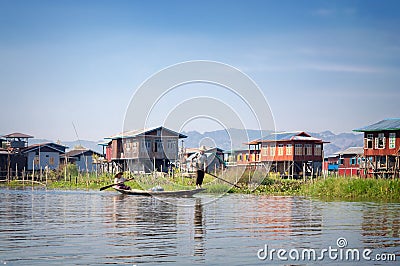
(382, 148)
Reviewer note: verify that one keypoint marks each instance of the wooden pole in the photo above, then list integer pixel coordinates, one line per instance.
(40, 166)
(293, 163)
(33, 171)
(8, 167)
(154, 167)
(312, 170)
(387, 164)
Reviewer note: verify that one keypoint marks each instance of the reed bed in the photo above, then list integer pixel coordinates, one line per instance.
(249, 182)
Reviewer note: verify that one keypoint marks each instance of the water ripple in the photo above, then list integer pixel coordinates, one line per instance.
(96, 228)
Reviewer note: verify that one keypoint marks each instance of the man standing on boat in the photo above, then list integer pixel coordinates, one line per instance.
(119, 181)
(201, 166)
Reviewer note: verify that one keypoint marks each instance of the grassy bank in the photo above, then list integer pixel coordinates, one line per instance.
(354, 189)
(332, 188)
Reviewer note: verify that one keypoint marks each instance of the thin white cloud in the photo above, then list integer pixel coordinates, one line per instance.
(343, 68)
(326, 67)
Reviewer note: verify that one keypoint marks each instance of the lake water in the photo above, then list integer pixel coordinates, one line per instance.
(40, 227)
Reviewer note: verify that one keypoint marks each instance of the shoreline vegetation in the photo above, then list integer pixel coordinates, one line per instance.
(250, 182)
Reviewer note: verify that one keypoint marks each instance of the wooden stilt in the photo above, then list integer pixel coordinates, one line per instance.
(293, 170)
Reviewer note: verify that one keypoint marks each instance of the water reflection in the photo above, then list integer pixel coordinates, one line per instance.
(275, 218)
(381, 225)
(199, 231)
(93, 228)
(145, 226)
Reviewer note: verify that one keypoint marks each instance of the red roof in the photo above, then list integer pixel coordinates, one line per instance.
(17, 135)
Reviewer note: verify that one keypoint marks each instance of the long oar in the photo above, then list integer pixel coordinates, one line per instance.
(108, 186)
(224, 180)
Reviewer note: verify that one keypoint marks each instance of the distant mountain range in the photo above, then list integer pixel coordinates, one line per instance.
(221, 139)
(337, 142)
(92, 145)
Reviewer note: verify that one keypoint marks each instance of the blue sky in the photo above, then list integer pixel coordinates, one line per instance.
(320, 64)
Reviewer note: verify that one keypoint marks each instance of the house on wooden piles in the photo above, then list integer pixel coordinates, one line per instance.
(43, 156)
(143, 150)
(3, 159)
(350, 160)
(237, 157)
(331, 164)
(291, 154)
(215, 158)
(382, 148)
(11, 157)
(84, 159)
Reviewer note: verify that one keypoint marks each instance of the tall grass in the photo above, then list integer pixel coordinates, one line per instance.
(354, 188)
(249, 181)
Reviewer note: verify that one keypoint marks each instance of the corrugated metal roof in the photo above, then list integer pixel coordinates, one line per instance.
(77, 152)
(40, 145)
(386, 124)
(280, 136)
(285, 136)
(304, 138)
(104, 143)
(17, 135)
(135, 133)
(207, 149)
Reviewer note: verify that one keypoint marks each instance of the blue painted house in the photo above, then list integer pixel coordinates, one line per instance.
(82, 158)
(42, 156)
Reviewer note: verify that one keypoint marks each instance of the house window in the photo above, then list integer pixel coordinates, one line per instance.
(265, 149)
(368, 141)
(298, 149)
(380, 141)
(148, 145)
(135, 147)
(142, 146)
(157, 146)
(171, 145)
(318, 149)
(160, 145)
(289, 149)
(272, 149)
(51, 161)
(308, 149)
(341, 160)
(127, 146)
(392, 140)
(36, 160)
(280, 149)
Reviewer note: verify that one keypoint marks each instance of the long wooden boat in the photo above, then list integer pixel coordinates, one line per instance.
(177, 193)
